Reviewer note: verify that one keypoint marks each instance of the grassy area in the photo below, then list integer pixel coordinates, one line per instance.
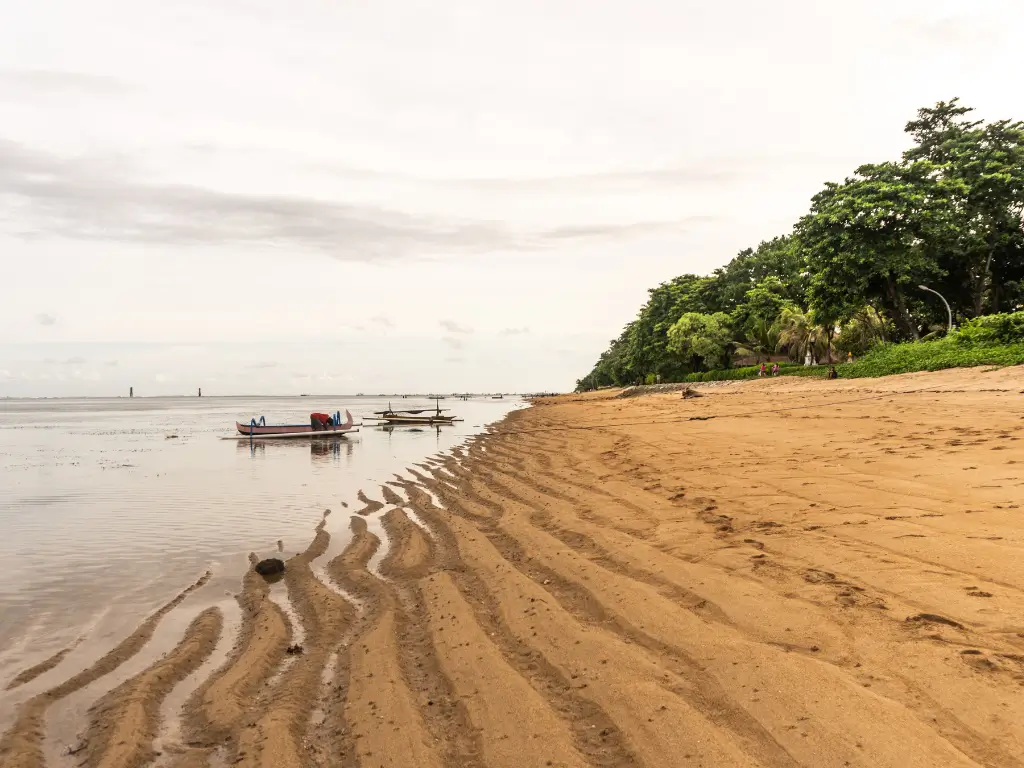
(889, 359)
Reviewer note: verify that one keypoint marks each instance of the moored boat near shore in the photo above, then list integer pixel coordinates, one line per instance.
(420, 416)
(261, 429)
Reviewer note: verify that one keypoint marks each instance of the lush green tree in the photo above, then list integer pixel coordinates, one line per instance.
(702, 340)
(764, 302)
(863, 240)
(611, 369)
(778, 258)
(647, 339)
(986, 163)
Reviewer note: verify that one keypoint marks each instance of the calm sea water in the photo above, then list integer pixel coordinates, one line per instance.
(104, 515)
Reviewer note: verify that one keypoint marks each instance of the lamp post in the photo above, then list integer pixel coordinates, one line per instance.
(948, 310)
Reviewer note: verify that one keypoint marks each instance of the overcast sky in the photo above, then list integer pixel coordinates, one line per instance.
(335, 196)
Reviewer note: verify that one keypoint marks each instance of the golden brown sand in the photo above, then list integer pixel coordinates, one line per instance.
(779, 573)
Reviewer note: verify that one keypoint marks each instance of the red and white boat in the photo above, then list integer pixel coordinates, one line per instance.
(261, 429)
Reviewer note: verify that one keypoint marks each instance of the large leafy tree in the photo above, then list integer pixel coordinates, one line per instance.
(778, 258)
(982, 251)
(648, 335)
(762, 303)
(703, 341)
(611, 369)
(864, 239)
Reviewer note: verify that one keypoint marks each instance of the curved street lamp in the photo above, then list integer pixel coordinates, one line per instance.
(948, 310)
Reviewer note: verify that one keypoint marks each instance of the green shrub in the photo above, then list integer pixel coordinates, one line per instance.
(950, 352)
(746, 372)
(1007, 328)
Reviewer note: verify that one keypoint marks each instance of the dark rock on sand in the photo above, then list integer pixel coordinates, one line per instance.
(270, 567)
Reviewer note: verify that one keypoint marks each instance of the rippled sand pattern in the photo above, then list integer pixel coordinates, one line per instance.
(809, 574)
(109, 508)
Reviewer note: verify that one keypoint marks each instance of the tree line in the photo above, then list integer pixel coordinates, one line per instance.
(946, 215)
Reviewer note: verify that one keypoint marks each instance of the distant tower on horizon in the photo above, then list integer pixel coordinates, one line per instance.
(131, 391)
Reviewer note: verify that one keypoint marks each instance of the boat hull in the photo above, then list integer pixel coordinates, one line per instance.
(415, 420)
(250, 430)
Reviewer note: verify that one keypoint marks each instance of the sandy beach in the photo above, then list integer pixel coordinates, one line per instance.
(778, 573)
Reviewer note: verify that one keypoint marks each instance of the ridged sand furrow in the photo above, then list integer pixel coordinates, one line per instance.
(576, 535)
(456, 741)
(276, 737)
(21, 746)
(703, 698)
(223, 705)
(124, 723)
(385, 716)
(30, 674)
(586, 728)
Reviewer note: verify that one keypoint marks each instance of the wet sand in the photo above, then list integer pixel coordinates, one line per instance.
(778, 573)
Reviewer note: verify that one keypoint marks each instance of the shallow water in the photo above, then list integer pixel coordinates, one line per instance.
(104, 515)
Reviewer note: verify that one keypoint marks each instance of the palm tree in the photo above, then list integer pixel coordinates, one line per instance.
(800, 334)
(761, 339)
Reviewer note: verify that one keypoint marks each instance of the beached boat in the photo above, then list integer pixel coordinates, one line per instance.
(261, 429)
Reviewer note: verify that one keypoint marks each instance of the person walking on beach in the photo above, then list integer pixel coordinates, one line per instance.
(775, 369)
(833, 373)
(763, 371)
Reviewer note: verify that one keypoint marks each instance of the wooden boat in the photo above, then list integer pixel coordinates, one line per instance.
(421, 416)
(262, 429)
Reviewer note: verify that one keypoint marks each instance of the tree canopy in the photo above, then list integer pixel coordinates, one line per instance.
(946, 214)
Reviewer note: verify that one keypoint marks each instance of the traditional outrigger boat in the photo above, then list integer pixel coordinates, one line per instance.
(261, 429)
(421, 416)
